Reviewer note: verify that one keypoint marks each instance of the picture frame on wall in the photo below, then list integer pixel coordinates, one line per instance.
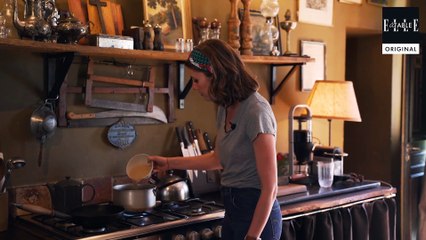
(174, 19)
(319, 12)
(383, 3)
(351, 1)
(258, 21)
(312, 71)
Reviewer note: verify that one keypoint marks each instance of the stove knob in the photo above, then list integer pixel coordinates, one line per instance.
(218, 231)
(193, 235)
(178, 237)
(206, 234)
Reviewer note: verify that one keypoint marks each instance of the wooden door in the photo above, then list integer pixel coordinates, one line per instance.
(413, 142)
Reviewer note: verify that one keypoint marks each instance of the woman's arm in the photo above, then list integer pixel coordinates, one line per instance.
(208, 161)
(265, 153)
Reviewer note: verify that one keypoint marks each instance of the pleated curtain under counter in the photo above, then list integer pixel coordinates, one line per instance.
(369, 220)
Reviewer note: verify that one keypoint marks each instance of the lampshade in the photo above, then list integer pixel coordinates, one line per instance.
(334, 100)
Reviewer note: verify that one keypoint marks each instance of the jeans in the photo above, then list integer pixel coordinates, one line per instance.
(240, 204)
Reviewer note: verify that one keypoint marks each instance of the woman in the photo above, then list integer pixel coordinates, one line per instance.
(245, 143)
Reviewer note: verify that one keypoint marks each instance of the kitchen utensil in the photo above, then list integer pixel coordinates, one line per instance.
(90, 216)
(172, 188)
(134, 197)
(43, 124)
(67, 194)
(138, 167)
(33, 25)
(208, 141)
(187, 139)
(156, 114)
(193, 137)
(70, 29)
(201, 141)
(181, 142)
(13, 163)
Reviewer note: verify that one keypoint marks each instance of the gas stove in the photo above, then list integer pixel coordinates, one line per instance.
(191, 219)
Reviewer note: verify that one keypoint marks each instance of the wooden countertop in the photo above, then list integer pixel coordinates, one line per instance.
(338, 201)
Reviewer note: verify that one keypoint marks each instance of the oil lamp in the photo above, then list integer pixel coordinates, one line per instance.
(288, 25)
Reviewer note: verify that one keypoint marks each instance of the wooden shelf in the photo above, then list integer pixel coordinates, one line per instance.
(63, 54)
(92, 51)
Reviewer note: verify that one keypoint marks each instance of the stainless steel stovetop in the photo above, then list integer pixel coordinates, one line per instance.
(170, 221)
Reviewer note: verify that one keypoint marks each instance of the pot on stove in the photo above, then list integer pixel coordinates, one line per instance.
(172, 188)
(134, 197)
(66, 195)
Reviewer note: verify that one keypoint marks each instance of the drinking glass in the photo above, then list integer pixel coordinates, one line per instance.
(325, 173)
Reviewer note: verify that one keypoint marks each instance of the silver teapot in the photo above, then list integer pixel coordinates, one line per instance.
(39, 16)
(69, 29)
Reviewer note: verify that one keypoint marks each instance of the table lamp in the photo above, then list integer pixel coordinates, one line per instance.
(334, 100)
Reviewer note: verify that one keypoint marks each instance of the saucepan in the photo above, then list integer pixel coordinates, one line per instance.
(90, 216)
(135, 197)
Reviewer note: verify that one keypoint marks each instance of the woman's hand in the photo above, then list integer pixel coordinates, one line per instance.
(160, 163)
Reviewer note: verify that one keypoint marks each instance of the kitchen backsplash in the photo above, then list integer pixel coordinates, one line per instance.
(39, 194)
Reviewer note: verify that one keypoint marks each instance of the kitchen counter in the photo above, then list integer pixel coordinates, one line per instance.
(296, 208)
(291, 207)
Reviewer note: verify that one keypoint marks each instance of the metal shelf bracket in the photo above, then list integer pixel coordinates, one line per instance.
(274, 90)
(183, 89)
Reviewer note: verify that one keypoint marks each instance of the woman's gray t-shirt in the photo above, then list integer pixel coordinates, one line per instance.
(235, 147)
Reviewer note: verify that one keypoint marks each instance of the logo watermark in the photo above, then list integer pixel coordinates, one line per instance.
(400, 30)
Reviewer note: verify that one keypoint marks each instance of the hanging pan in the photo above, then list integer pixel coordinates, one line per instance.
(43, 124)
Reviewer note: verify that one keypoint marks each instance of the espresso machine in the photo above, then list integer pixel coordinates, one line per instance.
(300, 143)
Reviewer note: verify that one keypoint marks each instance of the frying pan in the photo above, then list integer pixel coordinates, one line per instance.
(89, 216)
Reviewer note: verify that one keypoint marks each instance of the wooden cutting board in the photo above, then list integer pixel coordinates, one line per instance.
(92, 12)
(76, 8)
(117, 16)
(291, 188)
